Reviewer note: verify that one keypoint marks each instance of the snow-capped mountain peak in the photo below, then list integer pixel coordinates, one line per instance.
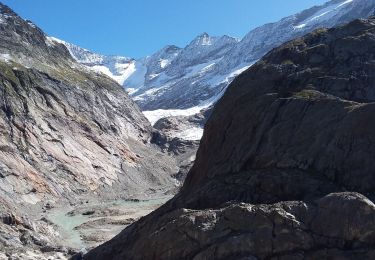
(203, 69)
(206, 40)
(197, 75)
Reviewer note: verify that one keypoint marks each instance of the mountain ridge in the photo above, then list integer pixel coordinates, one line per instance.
(187, 79)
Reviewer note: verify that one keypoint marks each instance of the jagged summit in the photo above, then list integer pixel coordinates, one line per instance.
(205, 39)
(202, 39)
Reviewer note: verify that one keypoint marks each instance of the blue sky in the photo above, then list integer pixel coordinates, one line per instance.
(136, 28)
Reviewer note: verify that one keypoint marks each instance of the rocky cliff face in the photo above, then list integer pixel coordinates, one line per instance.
(64, 126)
(65, 131)
(285, 166)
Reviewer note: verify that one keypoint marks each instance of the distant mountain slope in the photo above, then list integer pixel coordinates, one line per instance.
(197, 75)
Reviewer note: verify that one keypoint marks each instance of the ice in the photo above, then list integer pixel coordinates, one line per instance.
(323, 14)
(154, 115)
(164, 63)
(193, 134)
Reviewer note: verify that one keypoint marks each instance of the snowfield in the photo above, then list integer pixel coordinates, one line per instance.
(192, 134)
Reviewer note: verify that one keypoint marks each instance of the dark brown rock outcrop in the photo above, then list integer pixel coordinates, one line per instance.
(285, 169)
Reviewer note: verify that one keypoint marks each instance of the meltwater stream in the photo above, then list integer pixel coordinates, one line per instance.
(68, 223)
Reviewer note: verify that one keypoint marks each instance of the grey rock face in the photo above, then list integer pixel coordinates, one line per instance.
(64, 126)
(65, 131)
(282, 148)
